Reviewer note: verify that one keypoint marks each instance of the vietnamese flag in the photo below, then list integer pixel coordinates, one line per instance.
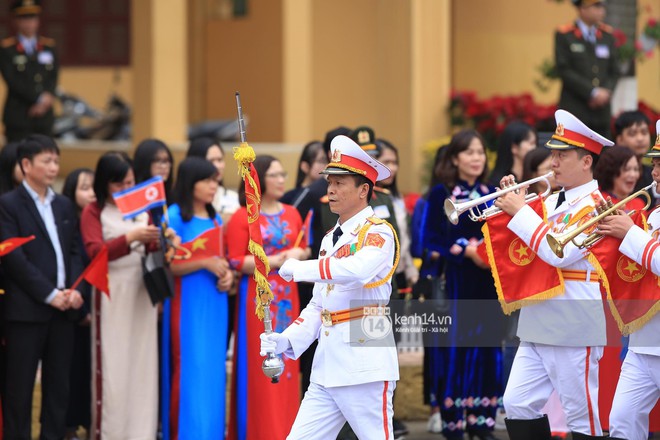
(633, 290)
(244, 156)
(304, 239)
(96, 273)
(205, 245)
(140, 198)
(12, 243)
(519, 276)
(253, 205)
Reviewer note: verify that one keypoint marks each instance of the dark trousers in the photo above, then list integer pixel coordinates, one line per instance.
(27, 343)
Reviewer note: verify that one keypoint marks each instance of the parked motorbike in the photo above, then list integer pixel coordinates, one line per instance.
(79, 120)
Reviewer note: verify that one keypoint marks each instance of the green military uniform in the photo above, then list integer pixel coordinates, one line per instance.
(583, 66)
(27, 77)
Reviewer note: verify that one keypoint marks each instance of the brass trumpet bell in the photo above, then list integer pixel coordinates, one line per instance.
(454, 210)
(557, 243)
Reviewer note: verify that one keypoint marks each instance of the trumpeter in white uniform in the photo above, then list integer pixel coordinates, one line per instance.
(638, 388)
(355, 366)
(562, 338)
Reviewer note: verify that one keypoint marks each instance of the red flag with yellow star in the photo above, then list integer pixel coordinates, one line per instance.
(205, 245)
(244, 156)
(633, 291)
(519, 275)
(12, 243)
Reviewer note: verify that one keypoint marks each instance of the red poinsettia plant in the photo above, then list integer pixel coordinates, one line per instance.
(490, 116)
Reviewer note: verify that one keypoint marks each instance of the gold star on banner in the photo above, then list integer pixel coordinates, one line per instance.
(4, 246)
(631, 267)
(522, 251)
(200, 243)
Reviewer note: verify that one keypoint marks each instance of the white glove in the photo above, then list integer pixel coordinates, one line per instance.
(286, 270)
(273, 343)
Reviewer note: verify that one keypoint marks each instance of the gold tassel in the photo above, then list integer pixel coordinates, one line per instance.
(263, 285)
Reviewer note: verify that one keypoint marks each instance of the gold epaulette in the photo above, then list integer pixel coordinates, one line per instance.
(566, 28)
(8, 42)
(324, 199)
(362, 235)
(376, 220)
(606, 28)
(382, 190)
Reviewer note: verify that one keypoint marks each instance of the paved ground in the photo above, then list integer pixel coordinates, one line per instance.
(418, 432)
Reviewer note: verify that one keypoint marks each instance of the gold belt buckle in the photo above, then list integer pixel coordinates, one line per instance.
(326, 318)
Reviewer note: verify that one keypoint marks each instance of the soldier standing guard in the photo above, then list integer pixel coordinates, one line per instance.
(354, 369)
(29, 65)
(585, 56)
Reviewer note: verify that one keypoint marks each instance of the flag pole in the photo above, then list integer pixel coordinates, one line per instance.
(272, 365)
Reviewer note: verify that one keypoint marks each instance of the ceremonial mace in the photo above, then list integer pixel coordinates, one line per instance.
(272, 365)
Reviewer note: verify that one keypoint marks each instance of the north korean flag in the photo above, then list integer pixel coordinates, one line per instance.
(143, 197)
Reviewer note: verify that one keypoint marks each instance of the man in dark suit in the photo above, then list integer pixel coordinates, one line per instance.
(585, 57)
(37, 298)
(29, 65)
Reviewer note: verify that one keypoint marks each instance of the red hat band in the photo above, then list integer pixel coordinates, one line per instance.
(357, 166)
(577, 140)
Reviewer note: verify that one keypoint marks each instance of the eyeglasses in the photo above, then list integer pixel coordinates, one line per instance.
(282, 175)
(162, 162)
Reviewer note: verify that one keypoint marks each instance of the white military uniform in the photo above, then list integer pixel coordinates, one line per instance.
(638, 389)
(349, 368)
(355, 365)
(562, 338)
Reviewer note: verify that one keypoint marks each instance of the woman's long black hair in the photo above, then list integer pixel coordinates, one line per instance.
(112, 167)
(71, 183)
(144, 155)
(192, 170)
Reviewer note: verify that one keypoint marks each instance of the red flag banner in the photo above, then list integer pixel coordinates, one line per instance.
(96, 273)
(482, 252)
(12, 243)
(140, 198)
(206, 245)
(303, 239)
(244, 155)
(520, 277)
(633, 290)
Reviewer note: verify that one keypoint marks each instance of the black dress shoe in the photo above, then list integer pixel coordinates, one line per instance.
(399, 429)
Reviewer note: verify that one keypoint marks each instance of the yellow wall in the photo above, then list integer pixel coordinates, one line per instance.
(498, 50)
(245, 54)
(648, 72)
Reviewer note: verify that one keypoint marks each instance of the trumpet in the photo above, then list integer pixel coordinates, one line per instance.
(454, 210)
(558, 242)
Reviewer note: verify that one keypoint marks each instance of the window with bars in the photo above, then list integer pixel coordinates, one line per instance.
(87, 32)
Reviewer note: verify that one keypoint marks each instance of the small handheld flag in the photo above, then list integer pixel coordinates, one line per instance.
(96, 273)
(140, 198)
(11, 244)
(205, 245)
(304, 237)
